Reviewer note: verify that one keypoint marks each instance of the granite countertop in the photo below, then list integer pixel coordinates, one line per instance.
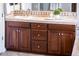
(61, 20)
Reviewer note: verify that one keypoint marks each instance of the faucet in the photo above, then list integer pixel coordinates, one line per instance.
(28, 12)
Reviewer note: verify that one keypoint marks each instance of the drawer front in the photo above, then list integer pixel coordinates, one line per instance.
(39, 46)
(39, 34)
(61, 27)
(18, 24)
(39, 26)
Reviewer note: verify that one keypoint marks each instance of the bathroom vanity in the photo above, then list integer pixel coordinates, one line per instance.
(51, 37)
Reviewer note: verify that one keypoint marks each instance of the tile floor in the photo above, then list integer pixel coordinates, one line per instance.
(14, 53)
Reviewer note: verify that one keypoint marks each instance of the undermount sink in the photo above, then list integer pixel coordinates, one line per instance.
(26, 17)
(20, 17)
(54, 18)
(61, 18)
(32, 18)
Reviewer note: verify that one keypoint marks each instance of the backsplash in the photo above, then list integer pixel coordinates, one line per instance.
(39, 13)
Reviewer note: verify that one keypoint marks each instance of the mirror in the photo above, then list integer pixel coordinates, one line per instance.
(67, 7)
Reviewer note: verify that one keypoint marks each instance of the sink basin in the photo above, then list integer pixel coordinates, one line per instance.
(31, 17)
(19, 17)
(56, 18)
(25, 17)
(61, 18)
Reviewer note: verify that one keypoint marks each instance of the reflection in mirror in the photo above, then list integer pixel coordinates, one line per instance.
(35, 6)
(67, 7)
(41, 6)
(12, 6)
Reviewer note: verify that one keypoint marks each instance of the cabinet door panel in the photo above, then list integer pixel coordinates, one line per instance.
(67, 42)
(12, 40)
(24, 39)
(54, 42)
(39, 46)
(39, 26)
(39, 34)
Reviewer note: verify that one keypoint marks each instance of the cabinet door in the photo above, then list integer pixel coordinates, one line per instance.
(67, 42)
(24, 39)
(54, 42)
(12, 38)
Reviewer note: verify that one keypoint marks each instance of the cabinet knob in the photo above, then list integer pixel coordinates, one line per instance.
(17, 30)
(38, 35)
(59, 34)
(38, 46)
(38, 26)
(62, 34)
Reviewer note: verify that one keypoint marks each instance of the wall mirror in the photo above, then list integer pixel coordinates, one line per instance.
(67, 7)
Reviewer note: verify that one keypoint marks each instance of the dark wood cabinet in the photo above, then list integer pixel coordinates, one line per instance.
(39, 26)
(60, 40)
(39, 37)
(54, 42)
(39, 46)
(12, 38)
(39, 34)
(55, 39)
(17, 36)
(67, 42)
(24, 39)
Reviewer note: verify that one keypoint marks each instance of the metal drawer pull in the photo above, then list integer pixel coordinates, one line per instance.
(38, 46)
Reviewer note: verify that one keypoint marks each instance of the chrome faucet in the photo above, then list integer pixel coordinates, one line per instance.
(28, 12)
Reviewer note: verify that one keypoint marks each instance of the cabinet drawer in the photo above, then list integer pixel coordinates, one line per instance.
(18, 24)
(39, 46)
(39, 35)
(39, 26)
(61, 27)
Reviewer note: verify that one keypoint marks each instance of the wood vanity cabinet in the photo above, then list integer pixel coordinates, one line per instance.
(55, 39)
(17, 36)
(60, 39)
(39, 37)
